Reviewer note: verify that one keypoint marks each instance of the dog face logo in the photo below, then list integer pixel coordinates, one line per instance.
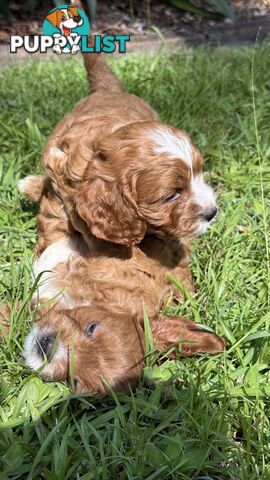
(67, 24)
(66, 19)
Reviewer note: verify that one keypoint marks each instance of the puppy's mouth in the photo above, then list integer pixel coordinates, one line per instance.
(66, 31)
(202, 228)
(44, 351)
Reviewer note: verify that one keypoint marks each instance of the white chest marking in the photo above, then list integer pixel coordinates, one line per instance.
(56, 253)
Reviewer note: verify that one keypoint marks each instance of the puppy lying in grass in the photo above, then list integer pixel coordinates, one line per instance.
(92, 331)
(97, 349)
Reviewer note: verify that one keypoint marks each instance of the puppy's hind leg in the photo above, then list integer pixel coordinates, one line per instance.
(33, 186)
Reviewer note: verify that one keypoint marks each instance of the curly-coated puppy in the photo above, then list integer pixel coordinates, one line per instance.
(94, 327)
(121, 173)
(98, 348)
(105, 273)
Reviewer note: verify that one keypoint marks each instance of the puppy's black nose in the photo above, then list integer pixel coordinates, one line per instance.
(77, 19)
(45, 345)
(210, 214)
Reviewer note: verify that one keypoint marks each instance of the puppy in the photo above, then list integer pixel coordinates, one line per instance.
(97, 348)
(121, 173)
(126, 178)
(93, 328)
(105, 273)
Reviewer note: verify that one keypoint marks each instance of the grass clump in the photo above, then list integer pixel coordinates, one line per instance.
(211, 419)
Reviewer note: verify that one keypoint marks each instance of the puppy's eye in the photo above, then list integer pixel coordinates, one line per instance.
(69, 15)
(90, 329)
(63, 18)
(174, 196)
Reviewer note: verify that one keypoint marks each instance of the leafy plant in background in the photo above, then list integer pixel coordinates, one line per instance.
(32, 5)
(5, 10)
(222, 8)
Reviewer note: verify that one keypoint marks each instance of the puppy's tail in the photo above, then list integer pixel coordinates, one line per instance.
(100, 76)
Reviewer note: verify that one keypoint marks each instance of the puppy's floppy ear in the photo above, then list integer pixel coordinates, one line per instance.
(53, 18)
(191, 337)
(110, 211)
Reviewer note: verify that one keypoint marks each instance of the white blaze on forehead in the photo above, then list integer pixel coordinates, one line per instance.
(64, 10)
(202, 193)
(176, 147)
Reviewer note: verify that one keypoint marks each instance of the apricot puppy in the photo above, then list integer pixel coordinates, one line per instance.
(102, 349)
(121, 173)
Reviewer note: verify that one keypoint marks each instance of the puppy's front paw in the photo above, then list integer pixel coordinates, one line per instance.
(5, 313)
(75, 49)
(57, 49)
(4, 318)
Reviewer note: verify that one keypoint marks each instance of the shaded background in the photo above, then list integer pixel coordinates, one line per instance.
(238, 22)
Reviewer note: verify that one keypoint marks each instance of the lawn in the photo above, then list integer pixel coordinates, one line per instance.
(210, 420)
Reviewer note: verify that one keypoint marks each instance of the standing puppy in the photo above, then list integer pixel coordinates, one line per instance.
(123, 175)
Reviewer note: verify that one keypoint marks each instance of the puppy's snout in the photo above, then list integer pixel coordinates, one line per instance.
(77, 19)
(45, 345)
(210, 214)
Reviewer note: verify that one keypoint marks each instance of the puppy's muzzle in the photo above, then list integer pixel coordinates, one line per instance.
(210, 214)
(45, 345)
(77, 19)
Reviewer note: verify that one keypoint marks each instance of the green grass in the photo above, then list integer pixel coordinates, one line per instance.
(211, 420)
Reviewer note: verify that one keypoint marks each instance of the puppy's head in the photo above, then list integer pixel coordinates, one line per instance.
(146, 177)
(88, 344)
(65, 19)
(97, 348)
